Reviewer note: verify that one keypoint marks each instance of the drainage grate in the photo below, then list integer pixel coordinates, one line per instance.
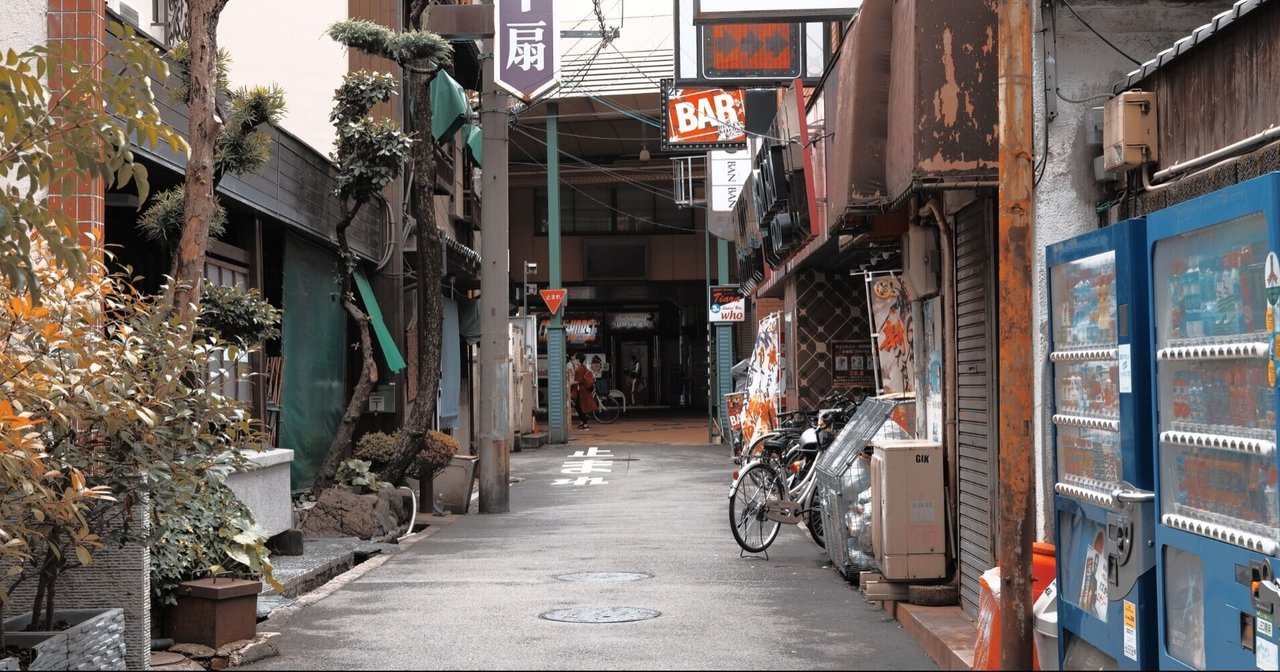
(603, 577)
(600, 615)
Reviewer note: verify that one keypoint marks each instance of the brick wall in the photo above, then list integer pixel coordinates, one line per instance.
(78, 28)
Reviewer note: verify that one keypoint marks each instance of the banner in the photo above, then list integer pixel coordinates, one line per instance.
(891, 313)
(765, 385)
(727, 304)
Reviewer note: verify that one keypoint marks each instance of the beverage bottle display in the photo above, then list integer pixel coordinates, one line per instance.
(1191, 301)
(1230, 310)
(1209, 295)
(1177, 316)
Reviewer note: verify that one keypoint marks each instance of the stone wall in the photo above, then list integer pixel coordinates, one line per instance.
(94, 644)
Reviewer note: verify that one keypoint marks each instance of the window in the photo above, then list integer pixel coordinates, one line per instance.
(615, 259)
(614, 209)
(231, 377)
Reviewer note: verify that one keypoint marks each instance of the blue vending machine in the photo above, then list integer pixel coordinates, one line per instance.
(1104, 499)
(1215, 282)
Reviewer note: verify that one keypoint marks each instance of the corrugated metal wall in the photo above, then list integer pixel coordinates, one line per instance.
(975, 333)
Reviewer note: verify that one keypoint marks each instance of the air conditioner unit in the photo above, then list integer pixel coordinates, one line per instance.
(921, 261)
(1129, 131)
(908, 534)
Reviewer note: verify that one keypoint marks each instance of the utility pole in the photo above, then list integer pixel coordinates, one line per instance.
(724, 340)
(1014, 243)
(495, 275)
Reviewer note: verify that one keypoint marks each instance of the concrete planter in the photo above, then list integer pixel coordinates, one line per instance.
(95, 640)
(266, 488)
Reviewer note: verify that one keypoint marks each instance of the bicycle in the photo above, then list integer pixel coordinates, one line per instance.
(778, 484)
(607, 409)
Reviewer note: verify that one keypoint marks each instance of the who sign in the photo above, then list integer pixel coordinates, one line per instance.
(526, 43)
(727, 304)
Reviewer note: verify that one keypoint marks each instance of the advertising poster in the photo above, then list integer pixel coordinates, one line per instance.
(727, 304)
(581, 330)
(734, 402)
(703, 118)
(891, 311)
(851, 364)
(765, 384)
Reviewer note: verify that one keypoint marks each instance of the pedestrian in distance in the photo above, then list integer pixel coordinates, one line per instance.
(583, 386)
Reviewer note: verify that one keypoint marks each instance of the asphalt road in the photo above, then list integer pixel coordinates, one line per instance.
(471, 595)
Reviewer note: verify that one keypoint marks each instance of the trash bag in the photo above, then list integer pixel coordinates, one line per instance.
(986, 652)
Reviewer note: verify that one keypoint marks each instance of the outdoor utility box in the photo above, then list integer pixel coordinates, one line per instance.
(1129, 131)
(213, 612)
(908, 534)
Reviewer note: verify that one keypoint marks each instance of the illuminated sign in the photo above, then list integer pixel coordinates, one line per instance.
(729, 172)
(703, 118)
(727, 305)
(744, 11)
(579, 330)
(747, 53)
(633, 321)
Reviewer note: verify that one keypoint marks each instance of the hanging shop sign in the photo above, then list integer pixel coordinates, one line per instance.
(526, 45)
(728, 173)
(894, 335)
(851, 364)
(727, 304)
(580, 330)
(633, 321)
(748, 53)
(703, 118)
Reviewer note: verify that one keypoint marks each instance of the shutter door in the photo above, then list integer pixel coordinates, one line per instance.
(976, 441)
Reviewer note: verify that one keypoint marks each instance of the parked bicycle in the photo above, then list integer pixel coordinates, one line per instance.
(608, 408)
(778, 483)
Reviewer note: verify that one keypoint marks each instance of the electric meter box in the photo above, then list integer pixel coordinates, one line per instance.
(908, 509)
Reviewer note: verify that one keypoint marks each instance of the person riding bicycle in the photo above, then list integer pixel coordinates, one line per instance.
(582, 390)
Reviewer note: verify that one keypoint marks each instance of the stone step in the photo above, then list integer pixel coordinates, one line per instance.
(534, 440)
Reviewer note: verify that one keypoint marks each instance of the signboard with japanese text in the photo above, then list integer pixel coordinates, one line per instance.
(703, 118)
(554, 298)
(727, 304)
(526, 47)
(851, 364)
(753, 11)
(645, 321)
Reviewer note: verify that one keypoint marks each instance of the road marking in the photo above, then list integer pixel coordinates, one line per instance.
(586, 465)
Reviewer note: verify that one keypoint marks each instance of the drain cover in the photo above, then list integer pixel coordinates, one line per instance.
(603, 577)
(600, 614)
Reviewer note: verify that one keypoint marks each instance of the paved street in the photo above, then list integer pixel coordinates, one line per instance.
(470, 596)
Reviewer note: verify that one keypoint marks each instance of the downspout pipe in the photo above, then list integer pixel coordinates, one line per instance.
(950, 366)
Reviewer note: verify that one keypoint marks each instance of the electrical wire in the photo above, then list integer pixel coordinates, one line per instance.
(656, 191)
(1101, 96)
(1100, 35)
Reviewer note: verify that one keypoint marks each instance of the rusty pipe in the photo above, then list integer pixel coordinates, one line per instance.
(950, 368)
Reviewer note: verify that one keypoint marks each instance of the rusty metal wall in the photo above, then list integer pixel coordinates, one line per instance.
(943, 101)
(855, 164)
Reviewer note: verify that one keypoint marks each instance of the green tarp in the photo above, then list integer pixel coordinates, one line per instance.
(449, 107)
(390, 352)
(473, 140)
(314, 349)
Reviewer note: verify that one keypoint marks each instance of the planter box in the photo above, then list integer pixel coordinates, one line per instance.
(454, 483)
(266, 489)
(95, 640)
(213, 612)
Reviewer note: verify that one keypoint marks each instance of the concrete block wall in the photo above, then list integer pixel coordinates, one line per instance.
(95, 644)
(120, 576)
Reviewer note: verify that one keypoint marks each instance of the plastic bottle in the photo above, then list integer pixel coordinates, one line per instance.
(1230, 307)
(1209, 295)
(1191, 301)
(1177, 316)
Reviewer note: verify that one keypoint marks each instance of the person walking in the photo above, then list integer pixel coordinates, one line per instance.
(582, 390)
(637, 380)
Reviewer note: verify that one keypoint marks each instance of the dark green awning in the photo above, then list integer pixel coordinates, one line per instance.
(449, 107)
(389, 350)
(473, 140)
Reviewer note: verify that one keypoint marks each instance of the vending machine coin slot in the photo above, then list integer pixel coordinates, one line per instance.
(1130, 539)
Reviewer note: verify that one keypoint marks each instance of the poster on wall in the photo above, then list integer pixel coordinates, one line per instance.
(891, 314)
(727, 304)
(765, 381)
(851, 364)
(929, 375)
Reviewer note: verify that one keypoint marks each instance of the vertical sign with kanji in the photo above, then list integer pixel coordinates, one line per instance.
(526, 47)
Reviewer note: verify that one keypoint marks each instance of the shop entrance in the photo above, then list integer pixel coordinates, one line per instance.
(634, 356)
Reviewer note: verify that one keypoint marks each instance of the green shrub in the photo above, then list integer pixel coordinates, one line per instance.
(377, 448)
(438, 449)
(238, 316)
(355, 472)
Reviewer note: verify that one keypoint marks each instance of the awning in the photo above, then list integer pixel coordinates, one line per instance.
(390, 352)
(449, 107)
(473, 140)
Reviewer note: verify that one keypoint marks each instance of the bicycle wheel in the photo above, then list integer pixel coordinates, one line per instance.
(757, 484)
(813, 523)
(607, 410)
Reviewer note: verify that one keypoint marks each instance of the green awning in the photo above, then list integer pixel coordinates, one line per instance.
(389, 350)
(473, 140)
(449, 107)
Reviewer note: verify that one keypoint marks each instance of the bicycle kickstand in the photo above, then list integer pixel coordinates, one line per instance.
(742, 553)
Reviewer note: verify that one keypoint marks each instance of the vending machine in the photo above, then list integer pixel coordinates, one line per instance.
(1104, 499)
(1215, 282)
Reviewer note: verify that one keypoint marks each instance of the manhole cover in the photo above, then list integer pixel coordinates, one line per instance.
(603, 577)
(600, 614)
(159, 658)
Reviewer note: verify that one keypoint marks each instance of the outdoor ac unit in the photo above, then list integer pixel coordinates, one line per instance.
(1129, 131)
(908, 534)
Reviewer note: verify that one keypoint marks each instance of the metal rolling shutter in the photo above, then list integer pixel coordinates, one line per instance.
(976, 440)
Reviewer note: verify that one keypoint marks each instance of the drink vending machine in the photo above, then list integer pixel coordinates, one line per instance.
(1104, 484)
(1216, 283)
